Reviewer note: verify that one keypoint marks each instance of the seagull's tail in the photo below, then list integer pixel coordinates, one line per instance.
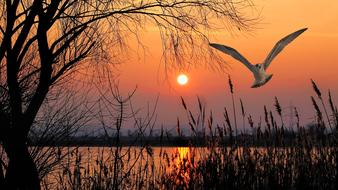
(268, 78)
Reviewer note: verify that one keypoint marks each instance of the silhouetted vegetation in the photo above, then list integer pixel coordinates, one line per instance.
(302, 157)
(43, 43)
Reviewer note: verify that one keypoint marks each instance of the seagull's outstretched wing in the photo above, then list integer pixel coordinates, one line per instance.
(234, 53)
(280, 46)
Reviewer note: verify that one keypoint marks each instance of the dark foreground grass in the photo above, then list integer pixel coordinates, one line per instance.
(288, 157)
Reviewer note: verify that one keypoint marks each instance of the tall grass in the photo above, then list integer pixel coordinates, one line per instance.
(271, 156)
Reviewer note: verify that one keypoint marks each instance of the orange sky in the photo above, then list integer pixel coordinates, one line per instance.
(312, 55)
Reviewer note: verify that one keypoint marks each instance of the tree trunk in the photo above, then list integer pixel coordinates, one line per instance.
(21, 173)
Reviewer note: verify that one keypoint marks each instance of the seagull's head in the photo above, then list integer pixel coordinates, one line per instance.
(258, 66)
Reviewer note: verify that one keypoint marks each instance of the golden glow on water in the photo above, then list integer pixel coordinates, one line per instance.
(183, 165)
(177, 165)
(183, 153)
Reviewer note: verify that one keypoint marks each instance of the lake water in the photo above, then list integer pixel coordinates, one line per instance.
(99, 162)
(146, 167)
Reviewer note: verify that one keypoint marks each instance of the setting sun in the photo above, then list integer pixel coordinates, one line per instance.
(182, 79)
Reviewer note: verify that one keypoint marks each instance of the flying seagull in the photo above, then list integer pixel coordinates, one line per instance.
(259, 70)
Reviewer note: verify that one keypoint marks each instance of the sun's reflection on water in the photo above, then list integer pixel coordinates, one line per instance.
(183, 153)
(183, 158)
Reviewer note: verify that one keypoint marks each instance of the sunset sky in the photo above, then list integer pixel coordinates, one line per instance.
(314, 55)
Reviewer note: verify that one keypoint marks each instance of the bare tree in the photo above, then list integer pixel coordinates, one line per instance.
(58, 120)
(44, 41)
